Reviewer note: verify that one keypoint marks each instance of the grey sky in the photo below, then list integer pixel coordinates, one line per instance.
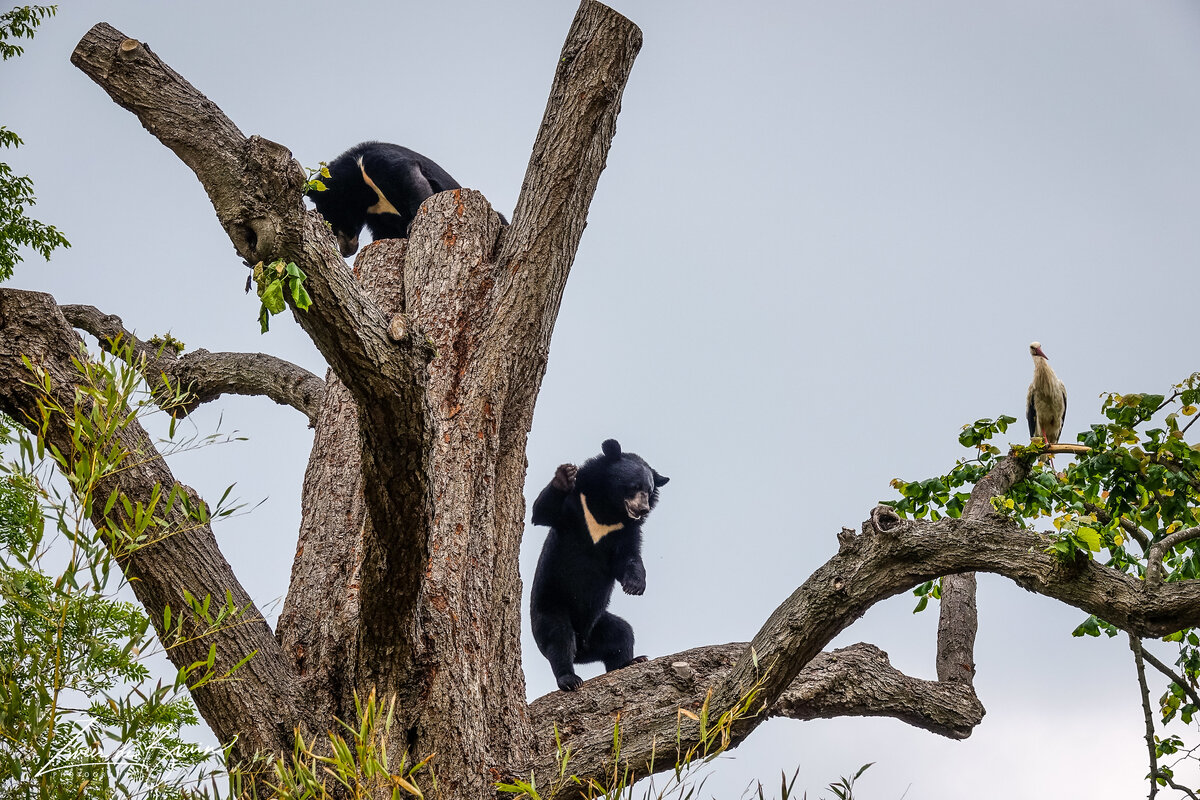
(826, 235)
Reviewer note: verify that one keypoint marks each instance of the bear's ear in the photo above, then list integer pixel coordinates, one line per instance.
(659, 480)
(611, 448)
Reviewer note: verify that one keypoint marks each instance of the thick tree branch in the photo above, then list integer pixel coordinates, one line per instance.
(256, 189)
(890, 556)
(569, 153)
(202, 375)
(958, 615)
(852, 681)
(260, 706)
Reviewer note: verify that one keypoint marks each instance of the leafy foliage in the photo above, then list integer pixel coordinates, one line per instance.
(273, 280)
(21, 23)
(314, 182)
(164, 342)
(1131, 502)
(357, 769)
(17, 230)
(79, 715)
(76, 715)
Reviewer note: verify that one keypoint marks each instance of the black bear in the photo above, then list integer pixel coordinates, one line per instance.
(595, 514)
(378, 184)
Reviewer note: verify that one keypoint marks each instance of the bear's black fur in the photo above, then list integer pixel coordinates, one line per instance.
(595, 514)
(380, 185)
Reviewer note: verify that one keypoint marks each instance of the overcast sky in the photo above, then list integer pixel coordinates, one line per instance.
(826, 235)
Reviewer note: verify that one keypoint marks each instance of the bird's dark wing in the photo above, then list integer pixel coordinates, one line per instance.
(1062, 388)
(1031, 412)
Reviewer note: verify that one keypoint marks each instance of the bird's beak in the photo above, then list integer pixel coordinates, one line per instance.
(1041, 353)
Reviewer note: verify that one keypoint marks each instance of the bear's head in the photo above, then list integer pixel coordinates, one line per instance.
(344, 203)
(620, 487)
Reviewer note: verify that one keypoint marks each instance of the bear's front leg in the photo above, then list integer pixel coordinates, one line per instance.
(564, 477)
(634, 579)
(548, 507)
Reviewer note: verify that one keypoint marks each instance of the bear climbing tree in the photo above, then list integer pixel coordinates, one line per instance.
(406, 577)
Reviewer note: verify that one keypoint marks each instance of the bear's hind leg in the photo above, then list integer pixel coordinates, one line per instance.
(610, 641)
(555, 637)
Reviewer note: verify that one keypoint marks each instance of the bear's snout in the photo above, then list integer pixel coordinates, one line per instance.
(637, 506)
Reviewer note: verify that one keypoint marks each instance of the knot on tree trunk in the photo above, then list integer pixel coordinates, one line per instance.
(259, 233)
(847, 540)
(884, 520)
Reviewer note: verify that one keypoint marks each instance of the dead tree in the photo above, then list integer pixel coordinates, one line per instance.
(405, 579)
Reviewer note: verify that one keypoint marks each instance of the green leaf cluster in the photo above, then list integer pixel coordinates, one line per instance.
(356, 768)
(1138, 484)
(77, 716)
(276, 282)
(314, 182)
(938, 496)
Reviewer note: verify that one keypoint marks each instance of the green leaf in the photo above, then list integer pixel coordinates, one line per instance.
(300, 297)
(1089, 537)
(272, 297)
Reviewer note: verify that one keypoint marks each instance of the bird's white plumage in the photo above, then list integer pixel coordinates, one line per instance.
(1046, 400)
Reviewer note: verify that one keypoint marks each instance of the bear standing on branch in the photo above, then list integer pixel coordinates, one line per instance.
(595, 514)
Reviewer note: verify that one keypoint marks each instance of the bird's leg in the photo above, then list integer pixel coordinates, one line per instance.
(1048, 458)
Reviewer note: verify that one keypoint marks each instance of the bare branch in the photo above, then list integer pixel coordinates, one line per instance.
(205, 376)
(1063, 447)
(1177, 786)
(569, 153)
(1127, 525)
(851, 681)
(1179, 680)
(1135, 644)
(256, 189)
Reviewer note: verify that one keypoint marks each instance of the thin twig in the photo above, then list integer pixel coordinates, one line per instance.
(1184, 429)
(1173, 675)
(1135, 644)
(1177, 787)
(1129, 526)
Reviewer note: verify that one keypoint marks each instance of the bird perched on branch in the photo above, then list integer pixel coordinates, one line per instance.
(1046, 402)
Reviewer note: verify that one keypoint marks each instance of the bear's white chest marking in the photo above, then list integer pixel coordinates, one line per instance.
(384, 206)
(595, 529)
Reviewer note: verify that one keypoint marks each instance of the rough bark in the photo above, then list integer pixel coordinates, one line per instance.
(958, 615)
(320, 612)
(858, 680)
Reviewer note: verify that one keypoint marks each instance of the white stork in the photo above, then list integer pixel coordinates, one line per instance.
(1046, 402)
